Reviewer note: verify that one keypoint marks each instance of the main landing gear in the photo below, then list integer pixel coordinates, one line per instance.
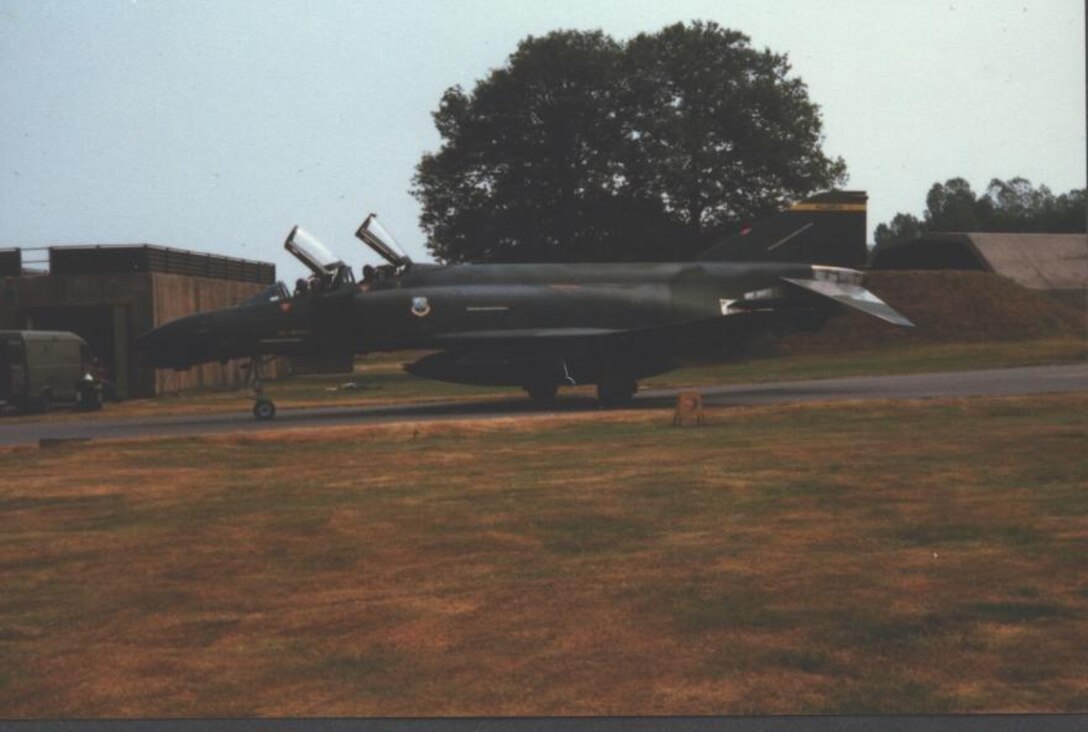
(614, 393)
(609, 393)
(542, 394)
(263, 407)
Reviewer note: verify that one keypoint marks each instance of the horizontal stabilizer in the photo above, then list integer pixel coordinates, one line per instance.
(854, 296)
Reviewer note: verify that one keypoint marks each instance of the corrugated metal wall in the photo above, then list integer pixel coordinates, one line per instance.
(107, 258)
(130, 304)
(68, 302)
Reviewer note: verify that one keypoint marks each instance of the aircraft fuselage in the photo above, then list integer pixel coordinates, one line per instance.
(541, 326)
(502, 324)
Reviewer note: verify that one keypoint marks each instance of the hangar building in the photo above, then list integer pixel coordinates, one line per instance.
(1053, 263)
(110, 294)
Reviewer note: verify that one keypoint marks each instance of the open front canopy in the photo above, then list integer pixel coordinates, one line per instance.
(311, 252)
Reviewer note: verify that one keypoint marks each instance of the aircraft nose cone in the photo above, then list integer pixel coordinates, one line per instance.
(177, 344)
(144, 341)
(159, 345)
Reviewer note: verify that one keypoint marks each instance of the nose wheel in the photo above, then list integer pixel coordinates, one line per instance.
(263, 407)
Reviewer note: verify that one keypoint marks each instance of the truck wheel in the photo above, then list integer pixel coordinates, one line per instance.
(90, 400)
(42, 403)
(264, 409)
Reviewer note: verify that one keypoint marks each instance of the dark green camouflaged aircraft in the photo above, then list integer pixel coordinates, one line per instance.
(542, 326)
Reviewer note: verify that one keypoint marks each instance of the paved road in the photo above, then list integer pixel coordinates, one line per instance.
(997, 382)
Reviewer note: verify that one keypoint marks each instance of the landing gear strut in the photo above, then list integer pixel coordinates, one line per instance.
(542, 394)
(263, 408)
(614, 393)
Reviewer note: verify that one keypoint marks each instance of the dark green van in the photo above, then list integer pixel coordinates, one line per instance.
(41, 367)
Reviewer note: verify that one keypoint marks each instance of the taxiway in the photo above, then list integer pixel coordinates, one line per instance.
(994, 382)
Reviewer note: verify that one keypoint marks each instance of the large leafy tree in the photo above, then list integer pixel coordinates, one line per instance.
(584, 149)
(525, 154)
(1012, 205)
(719, 131)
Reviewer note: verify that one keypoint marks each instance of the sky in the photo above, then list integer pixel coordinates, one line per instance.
(217, 126)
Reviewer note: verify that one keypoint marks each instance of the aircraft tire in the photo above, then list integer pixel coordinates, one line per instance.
(542, 394)
(611, 394)
(264, 409)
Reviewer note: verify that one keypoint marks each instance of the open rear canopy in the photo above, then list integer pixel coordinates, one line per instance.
(381, 241)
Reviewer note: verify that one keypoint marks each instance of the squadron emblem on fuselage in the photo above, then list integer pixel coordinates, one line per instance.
(420, 306)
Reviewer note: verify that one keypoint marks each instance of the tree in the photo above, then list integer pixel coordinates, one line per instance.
(718, 131)
(953, 207)
(903, 227)
(1017, 206)
(584, 149)
(1012, 205)
(524, 153)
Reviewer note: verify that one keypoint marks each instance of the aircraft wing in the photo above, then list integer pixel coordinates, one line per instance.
(854, 296)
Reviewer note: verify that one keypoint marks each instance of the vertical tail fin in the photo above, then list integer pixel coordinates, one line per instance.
(828, 228)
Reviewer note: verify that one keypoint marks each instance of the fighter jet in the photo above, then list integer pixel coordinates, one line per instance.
(545, 326)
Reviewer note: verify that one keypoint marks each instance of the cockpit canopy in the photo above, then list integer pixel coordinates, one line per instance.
(381, 241)
(329, 271)
(311, 252)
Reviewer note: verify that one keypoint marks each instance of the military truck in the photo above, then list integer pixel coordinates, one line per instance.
(39, 368)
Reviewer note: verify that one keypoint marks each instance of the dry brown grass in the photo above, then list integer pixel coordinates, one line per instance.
(876, 557)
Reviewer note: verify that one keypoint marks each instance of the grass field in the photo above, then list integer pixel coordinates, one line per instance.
(863, 557)
(381, 380)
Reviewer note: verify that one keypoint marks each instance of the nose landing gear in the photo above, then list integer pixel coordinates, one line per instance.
(263, 407)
